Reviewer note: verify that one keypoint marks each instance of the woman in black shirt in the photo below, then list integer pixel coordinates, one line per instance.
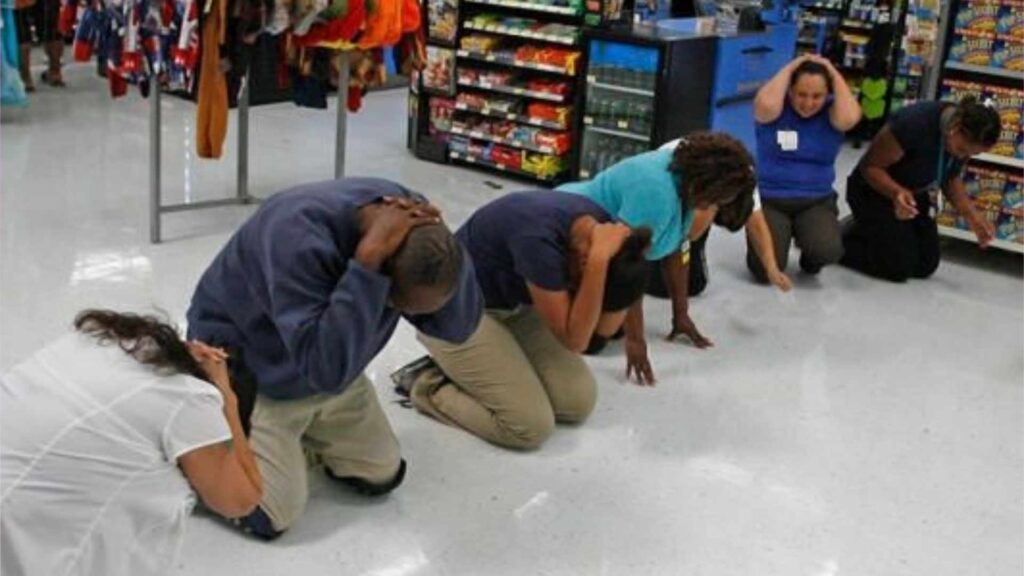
(921, 151)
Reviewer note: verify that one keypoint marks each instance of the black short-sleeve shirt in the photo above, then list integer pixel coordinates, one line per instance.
(919, 130)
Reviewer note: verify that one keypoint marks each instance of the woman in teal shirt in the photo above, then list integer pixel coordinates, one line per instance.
(664, 190)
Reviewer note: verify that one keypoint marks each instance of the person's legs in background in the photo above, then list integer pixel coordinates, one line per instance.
(699, 264)
(47, 18)
(609, 327)
(780, 223)
(817, 234)
(876, 242)
(23, 21)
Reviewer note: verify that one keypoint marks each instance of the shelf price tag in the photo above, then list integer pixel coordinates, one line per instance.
(588, 120)
(623, 124)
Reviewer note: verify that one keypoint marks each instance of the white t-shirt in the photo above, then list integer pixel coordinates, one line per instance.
(89, 442)
(672, 144)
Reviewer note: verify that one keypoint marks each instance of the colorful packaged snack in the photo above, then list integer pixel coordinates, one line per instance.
(508, 157)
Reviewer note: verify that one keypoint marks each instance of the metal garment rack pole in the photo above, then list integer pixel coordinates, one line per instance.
(156, 207)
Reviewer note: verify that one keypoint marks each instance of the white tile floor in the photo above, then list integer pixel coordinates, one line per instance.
(850, 427)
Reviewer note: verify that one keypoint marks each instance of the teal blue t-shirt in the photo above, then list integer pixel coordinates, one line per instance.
(641, 191)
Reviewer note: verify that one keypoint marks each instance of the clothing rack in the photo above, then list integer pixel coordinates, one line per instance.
(242, 197)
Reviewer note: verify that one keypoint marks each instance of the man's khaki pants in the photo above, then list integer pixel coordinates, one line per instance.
(348, 432)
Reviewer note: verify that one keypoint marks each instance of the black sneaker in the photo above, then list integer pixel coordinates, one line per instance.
(361, 486)
(809, 267)
(406, 376)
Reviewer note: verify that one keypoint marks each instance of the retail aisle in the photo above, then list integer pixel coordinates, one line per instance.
(849, 427)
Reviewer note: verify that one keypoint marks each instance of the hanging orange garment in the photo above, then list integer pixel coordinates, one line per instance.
(410, 16)
(382, 25)
(212, 100)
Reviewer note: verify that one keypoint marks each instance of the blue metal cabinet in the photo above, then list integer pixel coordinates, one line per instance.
(743, 64)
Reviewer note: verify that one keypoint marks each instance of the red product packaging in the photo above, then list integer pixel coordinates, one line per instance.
(507, 157)
(559, 141)
(549, 87)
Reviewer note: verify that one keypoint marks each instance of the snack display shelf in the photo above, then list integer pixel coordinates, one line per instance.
(514, 91)
(475, 56)
(1017, 163)
(969, 236)
(511, 116)
(531, 6)
(987, 70)
(476, 160)
(476, 135)
(519, 33)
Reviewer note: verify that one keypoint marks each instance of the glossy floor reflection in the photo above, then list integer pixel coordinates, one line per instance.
(851, 427)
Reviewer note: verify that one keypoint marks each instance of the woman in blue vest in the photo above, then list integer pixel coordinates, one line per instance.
(801, 116)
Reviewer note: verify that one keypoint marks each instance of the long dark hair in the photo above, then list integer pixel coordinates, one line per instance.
(146, 338)
(153, 341)
(628, 272)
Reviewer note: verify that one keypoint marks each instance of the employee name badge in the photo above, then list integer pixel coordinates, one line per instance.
(788, 140)
(933, 200)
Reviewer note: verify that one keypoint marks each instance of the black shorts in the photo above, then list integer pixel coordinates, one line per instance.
(44, 16)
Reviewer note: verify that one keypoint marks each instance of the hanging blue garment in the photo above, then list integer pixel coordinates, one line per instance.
(12, 90)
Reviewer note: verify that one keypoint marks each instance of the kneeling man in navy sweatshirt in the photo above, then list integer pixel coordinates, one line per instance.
(303, 297)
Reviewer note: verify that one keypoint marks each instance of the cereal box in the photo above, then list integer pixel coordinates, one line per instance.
(1009, 103)
(1008, 53)
(978, 16)
(955, 90)
(972, 48)
(985, 186)
(1013, 195)
(1011, 20)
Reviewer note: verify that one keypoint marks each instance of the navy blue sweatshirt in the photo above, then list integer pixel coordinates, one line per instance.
(287, 293)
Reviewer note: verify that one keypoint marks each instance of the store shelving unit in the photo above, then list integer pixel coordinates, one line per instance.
(501, 91)
(978, 36)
